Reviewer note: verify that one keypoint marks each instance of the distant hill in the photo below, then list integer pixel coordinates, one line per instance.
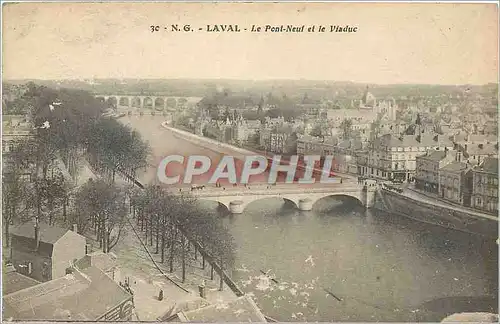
(294, 89)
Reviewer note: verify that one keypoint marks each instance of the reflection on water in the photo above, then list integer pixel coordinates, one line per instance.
(342, 263)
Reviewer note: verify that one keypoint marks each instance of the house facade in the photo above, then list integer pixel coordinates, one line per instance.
(48, 257)
(394, 157)
(485, 186)
(455, 182)
(428, 166)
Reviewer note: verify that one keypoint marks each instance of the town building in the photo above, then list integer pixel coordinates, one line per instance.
(282, 140)
(428, 166)
(393, 157)
(310, 145)
(243, 129)
(485, 186)
(49, 255)
(345, 156)
(455, 182)
(79, 295)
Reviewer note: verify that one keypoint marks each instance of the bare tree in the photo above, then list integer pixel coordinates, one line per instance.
(13, 204)
(103, 204)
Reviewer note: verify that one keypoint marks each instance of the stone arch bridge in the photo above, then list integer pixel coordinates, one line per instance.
(157, 102)
(236, 199)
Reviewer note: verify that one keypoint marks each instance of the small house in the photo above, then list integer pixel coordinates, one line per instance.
(48, 255)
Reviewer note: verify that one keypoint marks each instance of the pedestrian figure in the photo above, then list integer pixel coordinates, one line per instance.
(160, 295)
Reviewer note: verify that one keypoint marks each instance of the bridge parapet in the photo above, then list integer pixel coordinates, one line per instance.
(304, 198)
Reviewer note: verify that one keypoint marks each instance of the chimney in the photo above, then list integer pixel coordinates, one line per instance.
(75, 228)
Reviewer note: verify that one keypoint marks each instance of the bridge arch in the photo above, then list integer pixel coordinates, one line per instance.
(136, 102)
(148, 103)
(159, 103)
(181, 102)
(353, 197)
(171, 103)
(284, 199)
(124, 101)
(111, 101)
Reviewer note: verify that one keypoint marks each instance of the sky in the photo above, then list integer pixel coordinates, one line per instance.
(395, 43)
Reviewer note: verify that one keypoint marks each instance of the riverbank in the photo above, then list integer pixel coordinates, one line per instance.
(420, 208)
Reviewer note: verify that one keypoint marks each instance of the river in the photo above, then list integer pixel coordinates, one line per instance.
(340, 262)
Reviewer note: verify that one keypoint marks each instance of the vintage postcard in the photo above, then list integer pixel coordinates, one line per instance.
(262, 162)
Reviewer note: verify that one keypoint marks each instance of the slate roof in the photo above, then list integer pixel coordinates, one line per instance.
(350, 144)
(489, 165)
(14, 281)
(433, 156)
(455, 167)
(98, 259)
(242, 309)
(48, 234)
(184, 306)
(486, 149)
(79, 296)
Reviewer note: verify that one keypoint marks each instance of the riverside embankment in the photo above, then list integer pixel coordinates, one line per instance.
(425, 210)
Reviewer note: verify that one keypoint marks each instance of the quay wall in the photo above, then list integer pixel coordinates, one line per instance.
(395, 203)
(208, 143)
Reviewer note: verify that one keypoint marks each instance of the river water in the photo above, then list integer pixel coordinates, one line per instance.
(340, 262)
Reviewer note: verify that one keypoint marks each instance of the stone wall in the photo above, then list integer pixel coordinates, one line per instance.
(459, 220)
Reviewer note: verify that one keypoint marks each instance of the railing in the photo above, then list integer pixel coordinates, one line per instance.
(250, 192)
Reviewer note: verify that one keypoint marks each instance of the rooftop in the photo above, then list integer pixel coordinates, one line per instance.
(455, 167)
(184, 306)
(243, 309)
(98, 259)
(14, 281)
(489, 165)
(433, 156)
(48, 234)
(423, 140)
(482, 149)
(85, 295)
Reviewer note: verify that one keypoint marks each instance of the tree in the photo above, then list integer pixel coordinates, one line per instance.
(346, 126)
(44, 195)
(226, 115)
(102, 205)
(14, 190)
(114, 147)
